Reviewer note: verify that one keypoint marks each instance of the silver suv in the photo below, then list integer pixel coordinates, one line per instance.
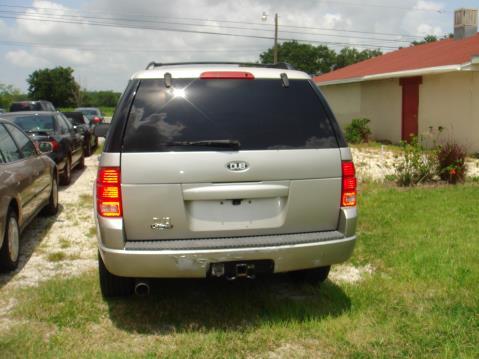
(222, 170)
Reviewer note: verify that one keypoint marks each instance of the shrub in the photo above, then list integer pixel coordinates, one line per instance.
(417, 164)
(451, 162)
(358, 131)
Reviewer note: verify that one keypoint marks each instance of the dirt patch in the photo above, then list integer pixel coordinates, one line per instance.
(67, 236)
(344, 273)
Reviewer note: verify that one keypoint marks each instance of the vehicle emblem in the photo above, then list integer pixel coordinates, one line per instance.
(237, 166)
(164, 223)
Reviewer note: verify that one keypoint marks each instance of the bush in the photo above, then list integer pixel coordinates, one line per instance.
(417, 164)
(451, 162)
(358, 131)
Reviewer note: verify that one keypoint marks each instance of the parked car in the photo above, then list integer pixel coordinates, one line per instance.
(222, 171)
(40, 105)
(28, 185)
(54, 127)
(79, 120)
(92, 113)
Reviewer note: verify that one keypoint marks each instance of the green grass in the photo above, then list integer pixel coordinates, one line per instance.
(106, 111)
(56, 257)
(422, 299)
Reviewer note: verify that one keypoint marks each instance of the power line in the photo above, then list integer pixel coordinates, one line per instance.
(395, 7)
(118, 49)
(215, 20)
(197, 32)
(68, 17)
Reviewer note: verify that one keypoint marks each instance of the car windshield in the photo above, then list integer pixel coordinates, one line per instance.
(198, 115)
(31, 123)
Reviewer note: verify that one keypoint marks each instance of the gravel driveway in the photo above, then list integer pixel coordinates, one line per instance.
(63, 245)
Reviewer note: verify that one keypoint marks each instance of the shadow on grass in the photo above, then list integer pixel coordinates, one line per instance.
(196, 305)
(30, 239)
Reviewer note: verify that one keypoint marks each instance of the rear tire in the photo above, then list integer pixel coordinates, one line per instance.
(312, 276)
(10, 251)
(87, 149)
(66, 177)
(112, 285)
(52, 207)
(81, 161)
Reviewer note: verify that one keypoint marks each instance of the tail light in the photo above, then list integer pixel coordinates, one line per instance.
(349, 185)
(108, 192)
(226, 75)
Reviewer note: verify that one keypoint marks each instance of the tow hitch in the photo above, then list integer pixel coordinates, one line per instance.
(246, 269)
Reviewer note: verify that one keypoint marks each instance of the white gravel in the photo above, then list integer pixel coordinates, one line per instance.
(377, 163)
(64, 245)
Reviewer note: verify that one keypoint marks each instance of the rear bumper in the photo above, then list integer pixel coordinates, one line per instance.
(174, 262)
(196, 263)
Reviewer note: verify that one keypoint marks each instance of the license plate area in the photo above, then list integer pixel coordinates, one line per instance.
(241, 269)
(235, 214)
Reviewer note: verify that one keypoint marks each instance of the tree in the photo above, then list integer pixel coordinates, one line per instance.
(56, 85)
(9, 94)
(305, 57)
(427, 39)
(99, 98)
(316, 59)
(349, 56)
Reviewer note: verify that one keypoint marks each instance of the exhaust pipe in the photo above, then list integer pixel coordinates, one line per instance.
(142, 289)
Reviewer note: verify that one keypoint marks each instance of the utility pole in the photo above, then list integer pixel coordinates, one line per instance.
(275, 50)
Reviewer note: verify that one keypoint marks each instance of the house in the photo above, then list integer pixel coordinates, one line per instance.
(415, 90)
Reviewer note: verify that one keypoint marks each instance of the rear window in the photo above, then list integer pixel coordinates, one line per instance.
(89, 113)
(75, 118)
(33, 123)
(260, 114)
(25, 106)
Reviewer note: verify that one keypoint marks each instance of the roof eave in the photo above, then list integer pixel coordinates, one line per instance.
(408, 73)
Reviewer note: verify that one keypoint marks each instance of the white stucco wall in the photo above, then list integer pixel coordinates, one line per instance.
(380, 101)
(451, 101)
(448, 100)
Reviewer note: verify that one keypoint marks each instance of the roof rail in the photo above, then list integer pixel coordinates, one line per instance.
(279, 65)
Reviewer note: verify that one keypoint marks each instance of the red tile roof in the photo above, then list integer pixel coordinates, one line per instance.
(434, 54)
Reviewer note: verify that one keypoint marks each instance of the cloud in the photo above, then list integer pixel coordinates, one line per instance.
(105, 57)
(429, 6)
(24, 58)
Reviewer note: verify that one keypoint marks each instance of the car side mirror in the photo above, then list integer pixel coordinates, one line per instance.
(101, 129)
(45, 147)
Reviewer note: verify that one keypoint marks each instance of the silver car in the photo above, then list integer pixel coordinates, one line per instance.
(222, 170)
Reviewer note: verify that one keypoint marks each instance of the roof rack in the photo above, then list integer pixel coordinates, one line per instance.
(279, 65)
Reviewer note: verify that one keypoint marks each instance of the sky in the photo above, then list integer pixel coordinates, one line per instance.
(106, 41)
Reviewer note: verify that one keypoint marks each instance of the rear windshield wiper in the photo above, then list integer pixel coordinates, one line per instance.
(234, 144)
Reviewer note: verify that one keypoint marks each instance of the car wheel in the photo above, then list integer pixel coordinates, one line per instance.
(312, 276)
(66, 177)
(52, 207)
(81, 161)
(88, 149)
(10, 251)
(112, 285)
